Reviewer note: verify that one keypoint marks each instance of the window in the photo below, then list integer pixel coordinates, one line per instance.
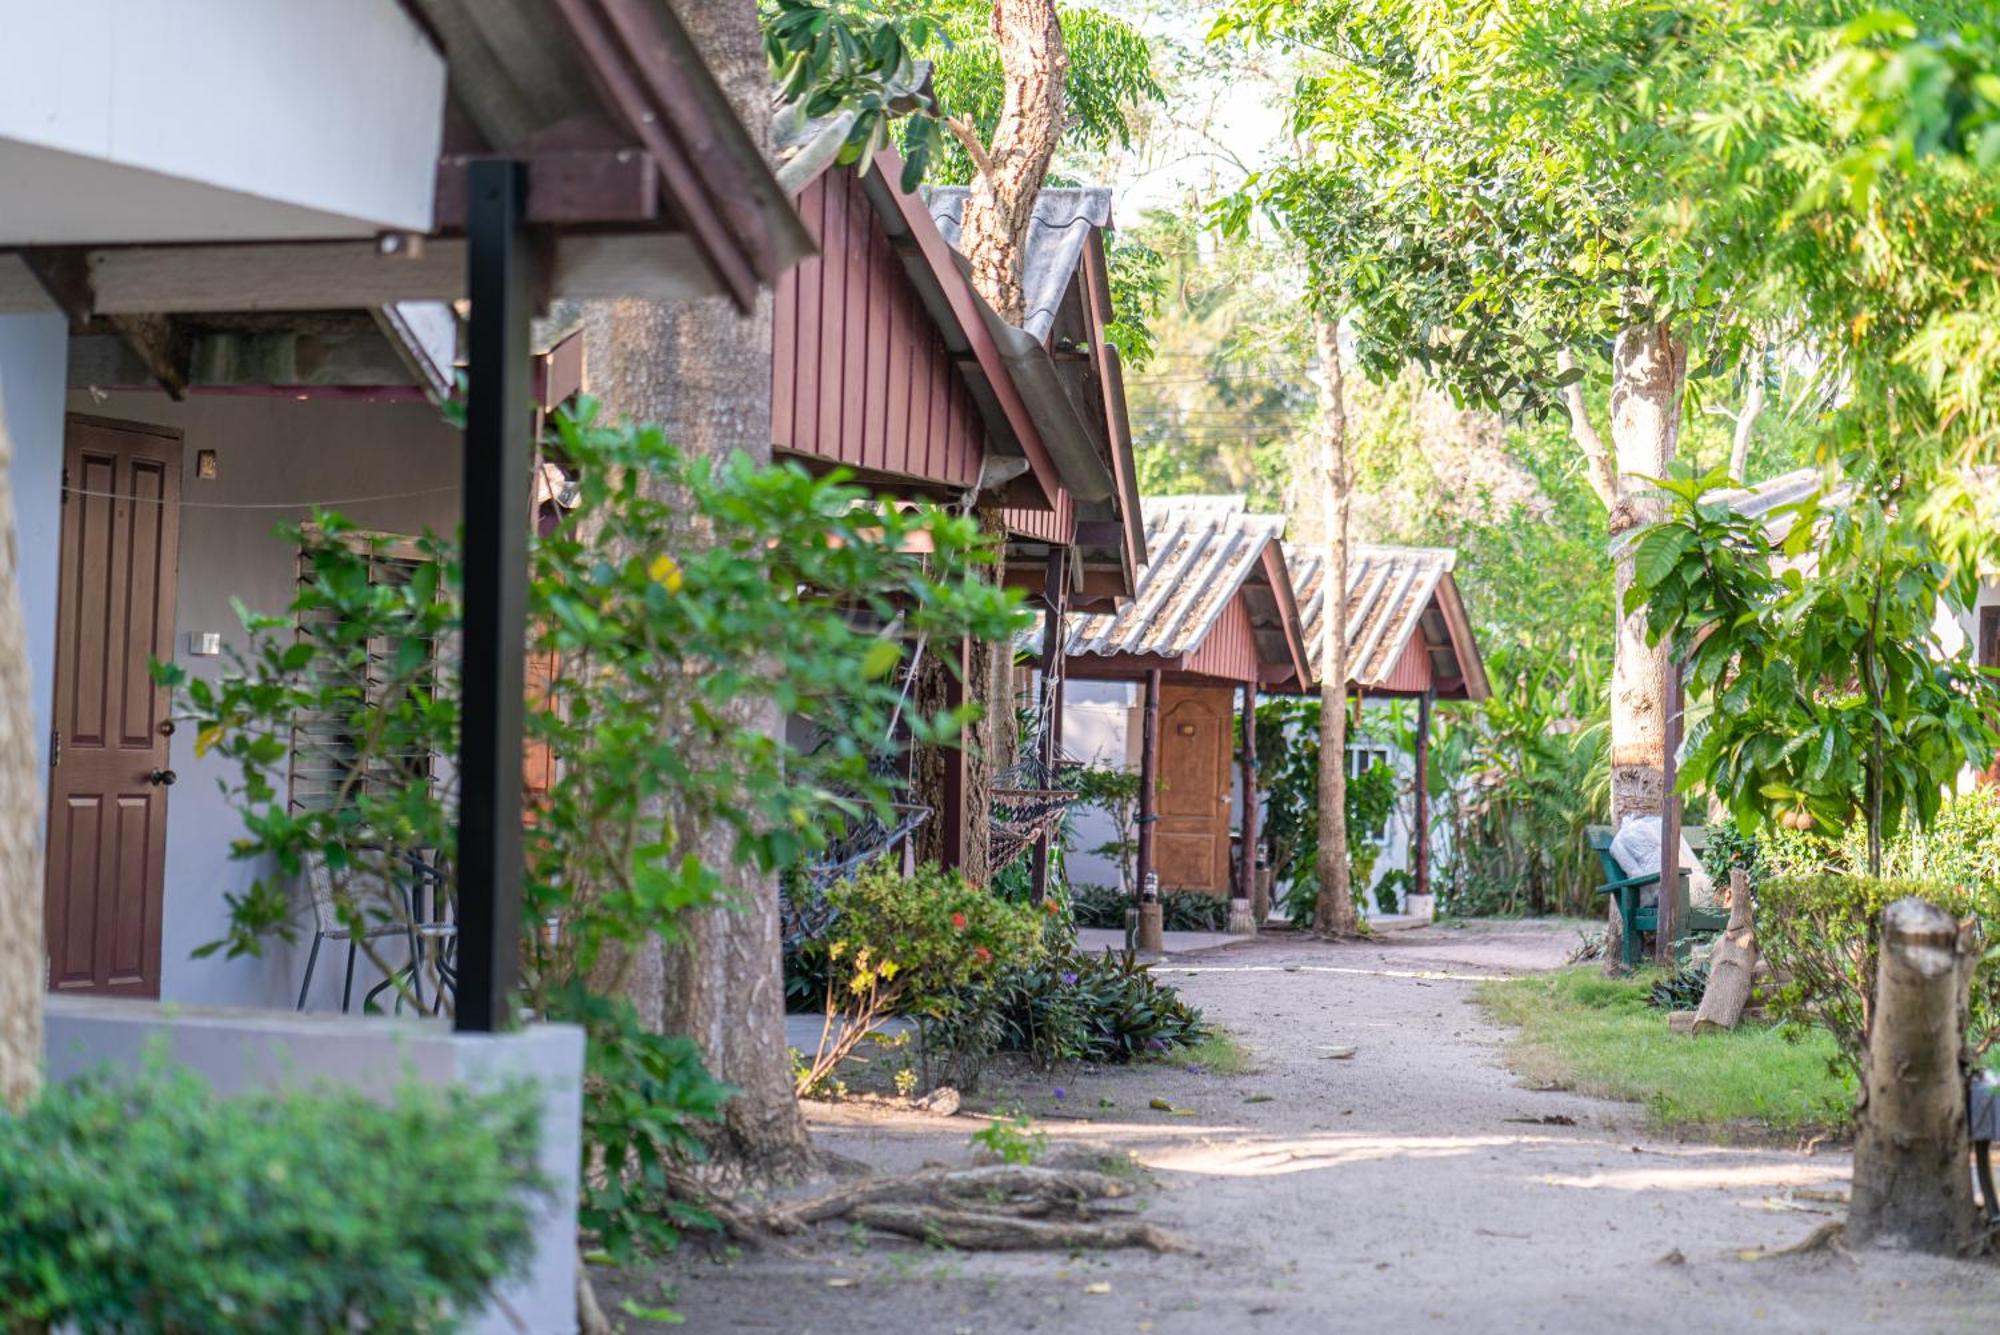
(353, 680)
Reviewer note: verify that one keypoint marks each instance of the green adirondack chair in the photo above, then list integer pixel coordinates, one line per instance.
(1640, 919)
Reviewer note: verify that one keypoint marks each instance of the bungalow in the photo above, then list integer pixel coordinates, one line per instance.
(888, 363)
(227, 299)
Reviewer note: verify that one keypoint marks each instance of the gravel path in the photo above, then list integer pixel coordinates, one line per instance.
(1413, 1186)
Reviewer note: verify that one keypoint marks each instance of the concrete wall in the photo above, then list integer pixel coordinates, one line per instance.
(238, 1052)
(272, 453)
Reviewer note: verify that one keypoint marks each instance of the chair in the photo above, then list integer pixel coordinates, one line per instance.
(1642, 918)
(328, 926)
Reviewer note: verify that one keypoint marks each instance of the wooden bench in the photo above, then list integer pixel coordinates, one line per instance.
(1639, 918)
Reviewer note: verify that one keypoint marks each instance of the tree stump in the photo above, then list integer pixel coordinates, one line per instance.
(1912, 1185)
(1732, 967)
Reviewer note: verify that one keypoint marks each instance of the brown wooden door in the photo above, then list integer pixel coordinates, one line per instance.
(1191, 841)
(107, 802)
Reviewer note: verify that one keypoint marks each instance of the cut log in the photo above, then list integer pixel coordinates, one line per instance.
(978, 1230)
(1732, 966)
(1912, 1187)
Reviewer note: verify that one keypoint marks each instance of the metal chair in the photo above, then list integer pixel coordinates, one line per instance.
(328, 925)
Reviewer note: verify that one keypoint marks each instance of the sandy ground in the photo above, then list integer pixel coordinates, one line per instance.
(1412, 1186)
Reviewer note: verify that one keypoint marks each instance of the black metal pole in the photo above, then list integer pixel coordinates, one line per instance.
(499, 455)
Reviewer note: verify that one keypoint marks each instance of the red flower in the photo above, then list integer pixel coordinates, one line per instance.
(982, 954)
(1048, 906)
(958, 921)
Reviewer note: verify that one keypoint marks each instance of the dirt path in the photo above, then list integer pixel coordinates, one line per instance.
(1411, 1187)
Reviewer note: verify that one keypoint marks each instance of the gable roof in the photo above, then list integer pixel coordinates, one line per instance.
(1064, 216)
(1394, 596)
(1201, 558)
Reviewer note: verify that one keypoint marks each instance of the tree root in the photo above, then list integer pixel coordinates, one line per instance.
(976, 1230)
(1829, 1236)
(996, 1185)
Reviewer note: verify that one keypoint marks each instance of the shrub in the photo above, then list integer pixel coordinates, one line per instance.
(1099, 905)
(1820, 935)
(151, 1204)
(913, 945)
(1389, 891)
(1180, 910)
(1680, 990)
(1069, 1007)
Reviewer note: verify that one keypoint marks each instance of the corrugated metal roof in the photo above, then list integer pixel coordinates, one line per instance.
(1388, 591)
(1200, 556)
(1056, 238)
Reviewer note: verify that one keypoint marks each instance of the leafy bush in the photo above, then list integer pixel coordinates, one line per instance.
(1099, 905)
(1289, 731)
(1680, 990)
(666, 616)
(1391, 888)
(149, 1204)
(1820, 935)
(913, 945)
(1069, 1007)
(1192, 911)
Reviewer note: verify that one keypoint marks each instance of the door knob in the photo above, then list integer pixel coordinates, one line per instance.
(162, 778)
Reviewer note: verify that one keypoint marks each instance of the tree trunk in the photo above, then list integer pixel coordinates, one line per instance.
(1746, 422)
(22, 962)
(702, 371)
(1334, 912)
(1912, 1184)
(1648, 372)
(1033, 65)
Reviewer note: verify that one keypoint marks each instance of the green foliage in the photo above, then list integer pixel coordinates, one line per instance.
(1180, 910)
(1680, 990)
(1822, 935)
(148, 1204)
(1390, 889)
(1099, 905)
(679, 600)
(1072, 1006)
(1833, 696)
(1013, 1140)
(1115, 792)
(1580, 1030)
(1289, 730)
(844, 72)
(1518, 780)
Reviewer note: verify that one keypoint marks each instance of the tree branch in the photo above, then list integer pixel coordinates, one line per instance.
(1746, 423)
(1598, 467)
(968, 138)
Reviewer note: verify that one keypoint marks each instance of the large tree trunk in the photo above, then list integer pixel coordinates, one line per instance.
(22, 963)
(1333, 914)
(1648, 372)
(1033, 65)
(1912, 1184)
(702, 371)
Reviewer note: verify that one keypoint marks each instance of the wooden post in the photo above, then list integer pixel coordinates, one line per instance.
(1055, 602)
(1246, 852)
(1420, 822)
(1149, 780)
(1668, 914)
(499, 456)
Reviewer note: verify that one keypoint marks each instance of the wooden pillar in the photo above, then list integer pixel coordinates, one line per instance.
(499, 457)
(1420, 824)
(1055, 603)
(1246, 855)
(1149, 779)
(1669, 913)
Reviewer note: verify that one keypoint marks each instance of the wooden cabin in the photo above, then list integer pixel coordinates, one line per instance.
(1212, 620)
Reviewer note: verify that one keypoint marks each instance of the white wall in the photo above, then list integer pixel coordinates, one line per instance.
(272, 452)
(206, 120)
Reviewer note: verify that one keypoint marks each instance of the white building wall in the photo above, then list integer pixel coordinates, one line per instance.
(33, 349)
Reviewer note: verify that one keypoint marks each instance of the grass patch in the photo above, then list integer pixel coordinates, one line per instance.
(1583, 1031)
(1219, 1054)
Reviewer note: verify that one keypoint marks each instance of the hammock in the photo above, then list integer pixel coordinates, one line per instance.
(803, 912)
(1026, 805)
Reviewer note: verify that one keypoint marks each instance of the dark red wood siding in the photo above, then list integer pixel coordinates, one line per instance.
(859, 374)
(1229, 650)
(1056, 525)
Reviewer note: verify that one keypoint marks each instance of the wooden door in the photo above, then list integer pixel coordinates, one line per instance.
(1191, 841)
(109, 755)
